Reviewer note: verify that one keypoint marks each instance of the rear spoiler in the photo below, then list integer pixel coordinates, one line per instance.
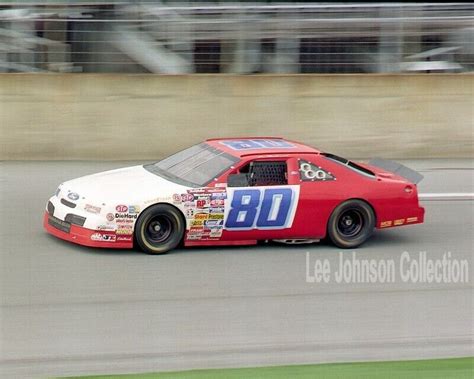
(398, 169)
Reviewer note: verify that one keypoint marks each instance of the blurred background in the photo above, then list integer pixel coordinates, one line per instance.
(182, 37)
(387, 79)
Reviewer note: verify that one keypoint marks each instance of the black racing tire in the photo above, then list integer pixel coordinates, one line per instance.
(351, 224)
(159, 229)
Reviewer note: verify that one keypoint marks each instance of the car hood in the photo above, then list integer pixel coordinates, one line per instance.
(130, 184)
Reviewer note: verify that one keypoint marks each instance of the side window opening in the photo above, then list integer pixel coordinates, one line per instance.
(309, 172)
(349, 164)
(266, 173)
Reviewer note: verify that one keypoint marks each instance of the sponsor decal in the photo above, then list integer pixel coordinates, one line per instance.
(103, 237)
(132, 209)
(182, 198)
(121, 208)
(213, 223)
(217, 203)
(125, 216)
(312, 172)
(385, 224)
(73, 196)
(92, 208)
(218, 195)
(213, 211)
(195, 232)
(110, 217)
(197, 222)
(265, 208)
(124, 238)
(158, 200)
(196, 229)
(106, 227)
(124, 231)
(399, 222)
(216, 216)
(412, 219)
(201, 216)
(122, 221)
(197, 190)
(201, 203)
(189, 212)
(126, 225)
(216, 233)
(187, 197)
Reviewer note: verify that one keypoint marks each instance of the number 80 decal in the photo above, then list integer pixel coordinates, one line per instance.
(261, 208)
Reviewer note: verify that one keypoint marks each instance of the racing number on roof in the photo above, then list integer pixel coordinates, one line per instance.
(246, 144)
(261, 208)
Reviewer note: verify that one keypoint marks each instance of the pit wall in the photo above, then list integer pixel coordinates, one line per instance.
(146, 117)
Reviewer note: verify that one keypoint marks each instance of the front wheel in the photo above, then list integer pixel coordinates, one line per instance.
(351, 224)
(159, 229)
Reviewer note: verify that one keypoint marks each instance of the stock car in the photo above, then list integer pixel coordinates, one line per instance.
(236, 191)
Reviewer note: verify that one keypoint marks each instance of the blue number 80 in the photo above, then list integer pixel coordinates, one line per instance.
(248, 209)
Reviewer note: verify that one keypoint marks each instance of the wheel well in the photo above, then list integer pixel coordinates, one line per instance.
(370, 205)
(152, 205)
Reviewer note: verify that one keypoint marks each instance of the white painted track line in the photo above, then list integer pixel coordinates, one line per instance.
(446, 196)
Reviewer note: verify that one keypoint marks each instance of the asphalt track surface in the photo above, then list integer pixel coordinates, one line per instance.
(70, 310)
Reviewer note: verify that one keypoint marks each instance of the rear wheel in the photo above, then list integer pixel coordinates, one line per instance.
(351, 224)
(159, 229)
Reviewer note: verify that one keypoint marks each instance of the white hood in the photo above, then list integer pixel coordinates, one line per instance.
(125, 185)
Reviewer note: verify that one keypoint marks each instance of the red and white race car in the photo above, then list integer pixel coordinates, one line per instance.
(235, 191)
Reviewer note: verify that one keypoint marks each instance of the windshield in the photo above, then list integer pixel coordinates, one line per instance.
(195, 166)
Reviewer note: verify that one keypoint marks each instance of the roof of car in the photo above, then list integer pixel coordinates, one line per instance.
(259, 145)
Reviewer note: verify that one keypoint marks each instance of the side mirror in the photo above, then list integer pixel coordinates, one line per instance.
(237, 180)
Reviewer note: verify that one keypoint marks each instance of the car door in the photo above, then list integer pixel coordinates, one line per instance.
(261, 203)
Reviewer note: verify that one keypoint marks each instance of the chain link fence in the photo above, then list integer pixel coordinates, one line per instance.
(186, 37)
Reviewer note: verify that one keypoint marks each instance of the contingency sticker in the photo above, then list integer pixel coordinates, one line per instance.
(205, 211)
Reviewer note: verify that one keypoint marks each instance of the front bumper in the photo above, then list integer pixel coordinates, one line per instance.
(83, 236)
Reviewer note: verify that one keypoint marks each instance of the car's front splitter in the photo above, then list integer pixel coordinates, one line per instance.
(86, 237)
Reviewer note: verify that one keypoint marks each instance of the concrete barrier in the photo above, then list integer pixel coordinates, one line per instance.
(117, 117)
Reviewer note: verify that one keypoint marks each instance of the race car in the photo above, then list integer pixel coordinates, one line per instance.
(236, 191)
